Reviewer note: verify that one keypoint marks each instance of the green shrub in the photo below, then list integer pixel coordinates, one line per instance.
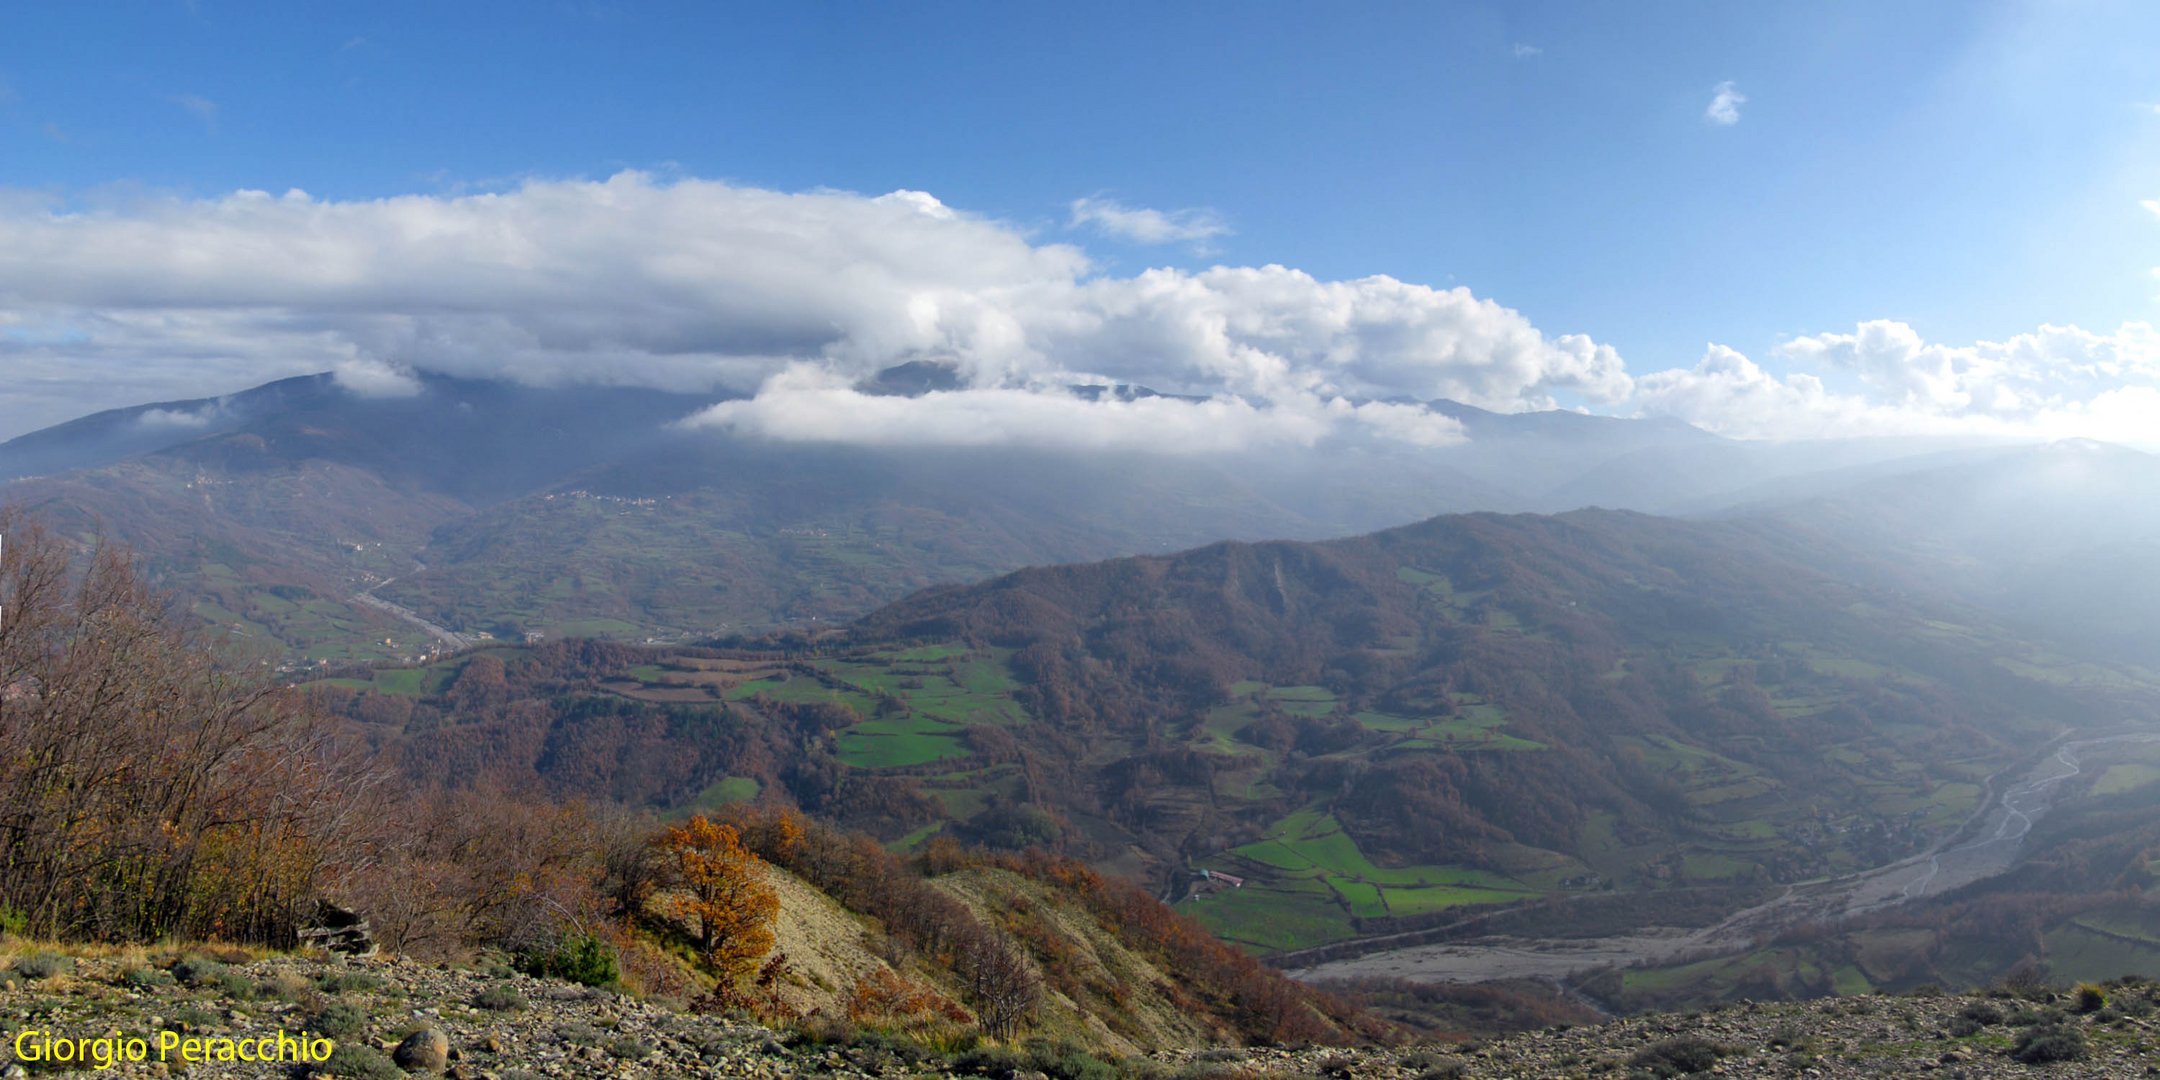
(1982, 1012)
(1201, 1070)
(578, 1033)
(2090, 997)
(2027, 1016)
(578, 958)
(346, 982)
(14, 922)
(280, 988)
(197, 971)
(1678, 1056)
(43, 965)
(500, 997)
(338, 1020)
(628, 1049)
(194, 1018)
(358, 1062)
(1064, 1061)
(146, 979)
(1791, 1036)
(989, 1061)
(2049, 1042)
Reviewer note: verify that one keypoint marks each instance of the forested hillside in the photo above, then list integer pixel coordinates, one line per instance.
(152, 790)
(1370, 733)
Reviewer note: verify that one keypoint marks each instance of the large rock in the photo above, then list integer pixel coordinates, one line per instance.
(426, 1050)
(338, 930)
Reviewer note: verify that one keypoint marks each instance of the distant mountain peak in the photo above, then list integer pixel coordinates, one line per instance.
(913, 379)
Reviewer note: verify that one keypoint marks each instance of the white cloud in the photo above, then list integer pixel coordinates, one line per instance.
(809, 404)
(1727, 393)
(202, 108)
(1524, 52)
(703, 286)
(1725, 102)
(2057, 381)
(1143, 226)
(175, 418)
(922, 202)
(369, 377)
(793, 299)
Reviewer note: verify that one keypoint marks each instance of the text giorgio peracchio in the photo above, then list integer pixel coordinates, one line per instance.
(36, 1047)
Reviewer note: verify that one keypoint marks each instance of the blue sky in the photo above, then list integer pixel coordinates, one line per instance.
(1973, 171)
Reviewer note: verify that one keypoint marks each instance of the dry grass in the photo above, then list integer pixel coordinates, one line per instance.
(133, 954)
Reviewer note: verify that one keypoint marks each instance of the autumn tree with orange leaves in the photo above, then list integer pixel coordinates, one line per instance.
(718, 898)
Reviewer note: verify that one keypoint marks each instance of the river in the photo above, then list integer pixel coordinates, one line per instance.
(1985, 845)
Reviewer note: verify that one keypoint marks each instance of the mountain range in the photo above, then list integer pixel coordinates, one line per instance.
(315, 523)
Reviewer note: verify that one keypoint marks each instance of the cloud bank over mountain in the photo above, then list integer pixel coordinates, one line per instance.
(2057, 381)
(791, 301)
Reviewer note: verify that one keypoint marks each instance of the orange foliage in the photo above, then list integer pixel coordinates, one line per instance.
(724, 903)
(886, 999)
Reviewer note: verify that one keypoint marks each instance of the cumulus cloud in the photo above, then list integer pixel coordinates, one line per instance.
(789, 302)
(2056, 381)
(707, 287)
(1727, 393)
(1725, 102)
(1143, 226)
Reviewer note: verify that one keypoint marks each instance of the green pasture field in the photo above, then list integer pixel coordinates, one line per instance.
(2124, 776)
(1290, 914)
(925, 653)
(2082, 953)
(723, 792)
(802, 690)
(1307, 858)
(870, 749)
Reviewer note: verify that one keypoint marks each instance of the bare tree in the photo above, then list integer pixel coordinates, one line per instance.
(147, 789)
(1000, 984)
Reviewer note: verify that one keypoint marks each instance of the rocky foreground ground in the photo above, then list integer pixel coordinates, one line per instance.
(392, 1019)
